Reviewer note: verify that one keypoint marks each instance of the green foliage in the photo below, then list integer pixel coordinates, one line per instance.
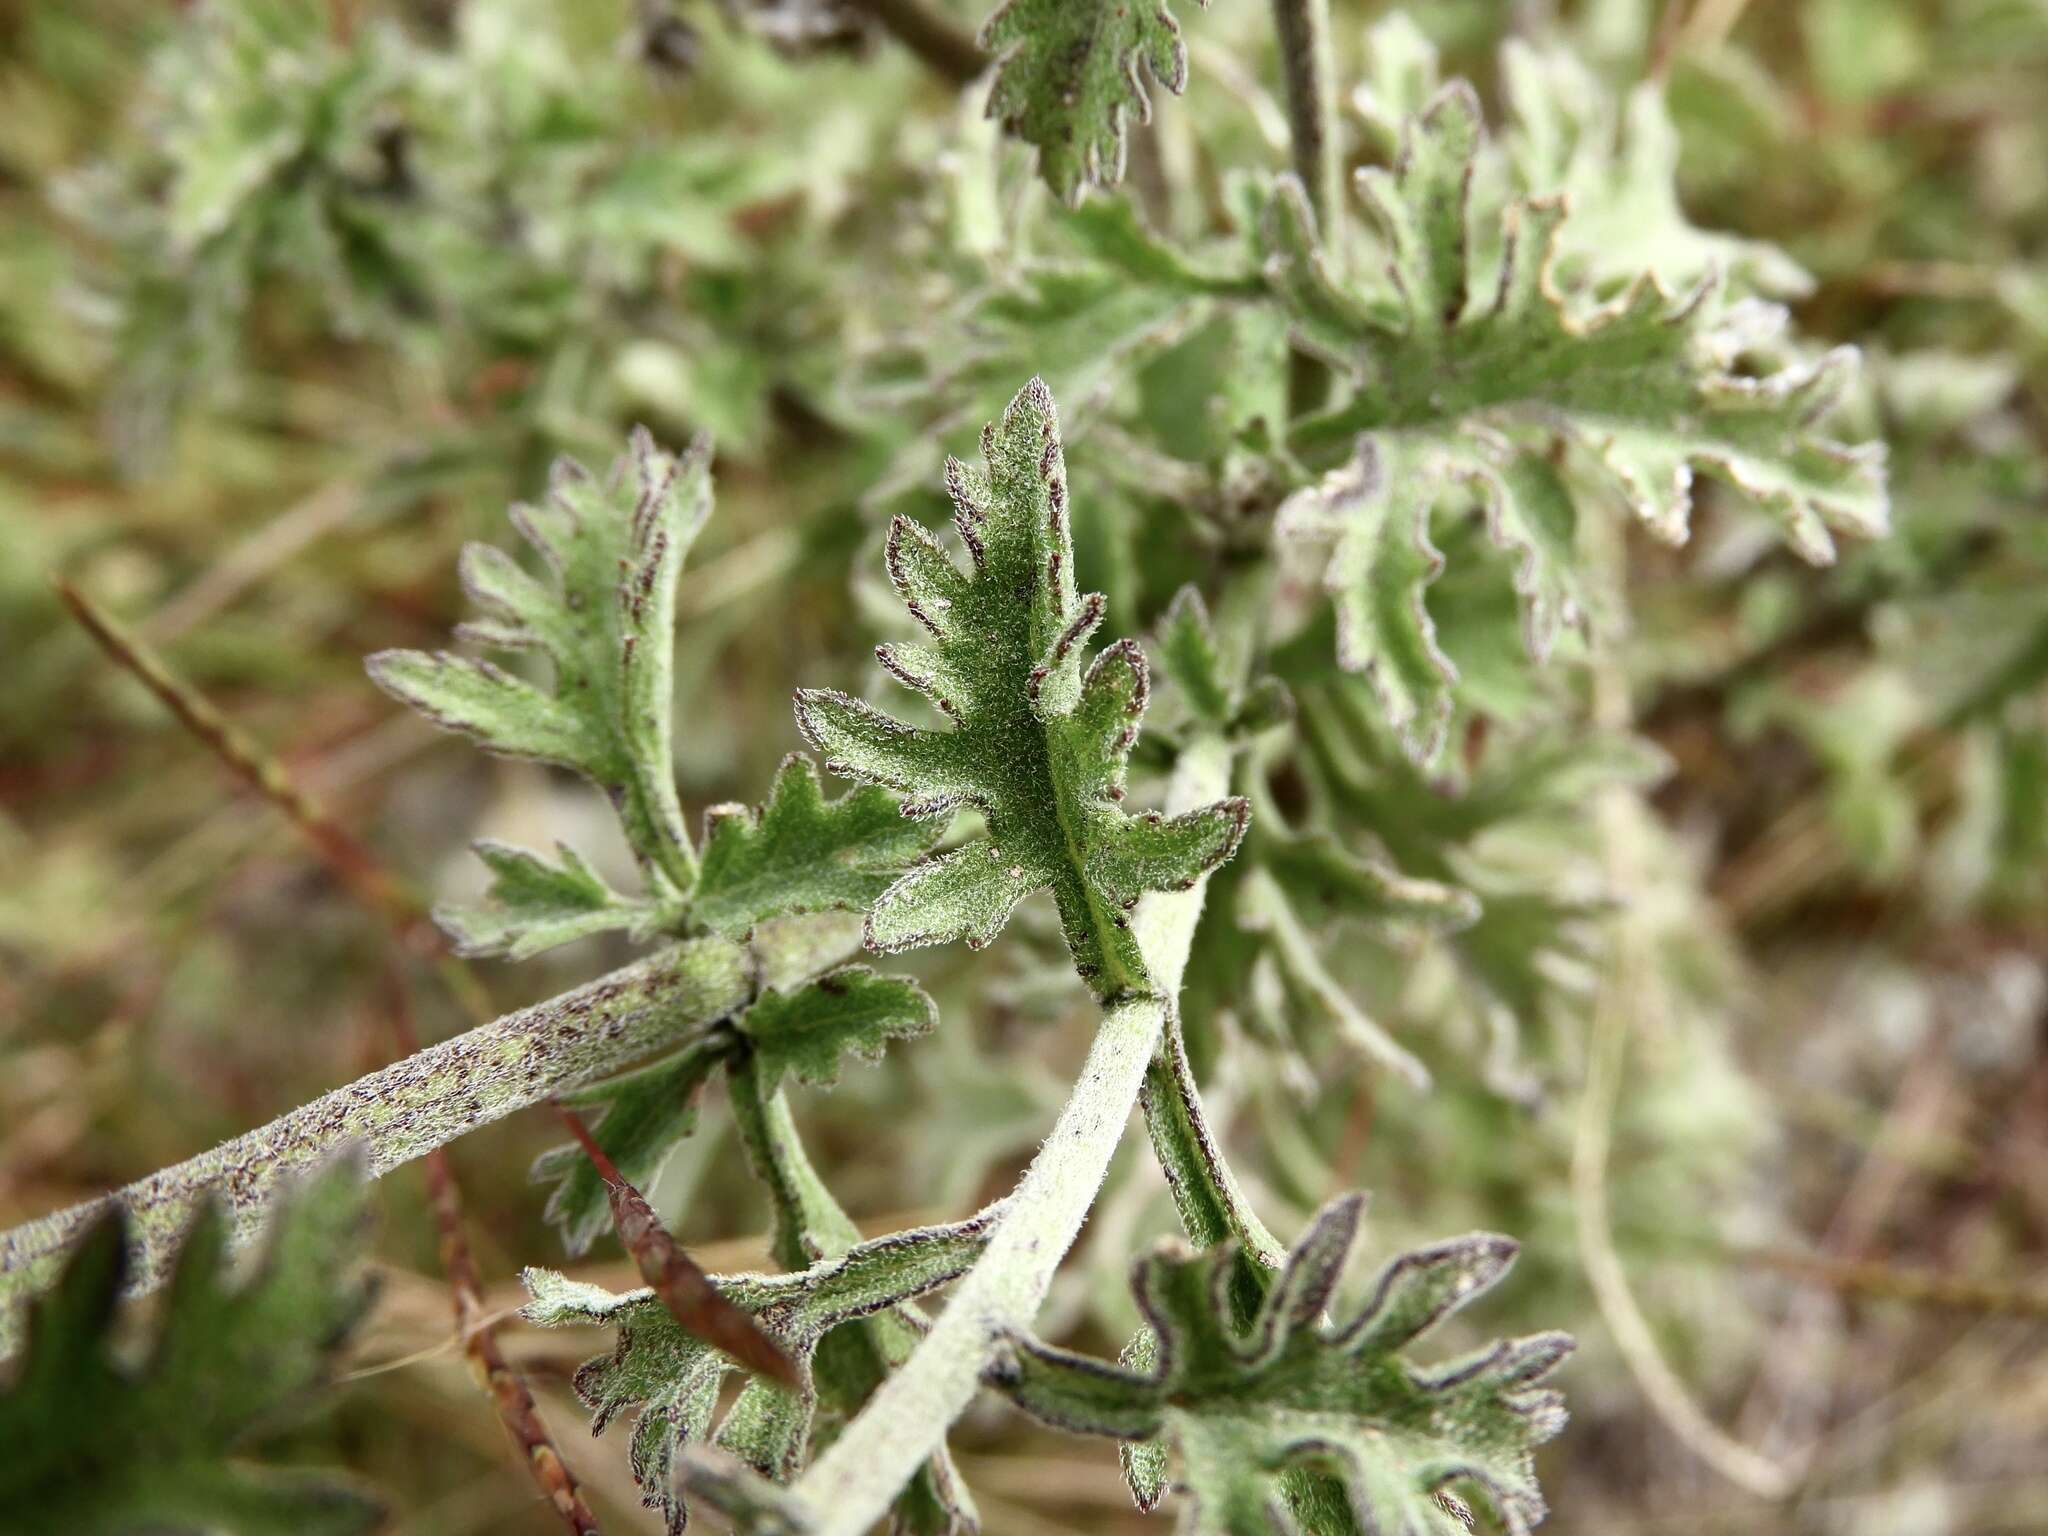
(1245, 1407)
(668, 1380)
(801, 853)
(1487, 794)
(1035, 744)
(1068, 76)
(105, 1441)
(1492, 387)
(606, 623)
(1214, 689)
(804, 1032)
(535, 905)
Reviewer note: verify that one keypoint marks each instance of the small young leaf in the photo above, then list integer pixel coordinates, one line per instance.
(1068, 73)
(1211, 681)
(669, 1379)
(1247, 1407)
(534, 905)
(639, 1120)
(1038, 743)
(96, 1445)
(802, 853)
(606, 621)
(805, 1031)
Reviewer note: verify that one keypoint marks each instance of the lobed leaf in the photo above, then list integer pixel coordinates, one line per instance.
(1067, 75)
(1248, 1408)
(1038, 742)
(805, 1031)
(605, 619)
(534, 905)
(96, 1444)
(1213, 684)
(669, 1380)
(801, 853)
(1486, 387)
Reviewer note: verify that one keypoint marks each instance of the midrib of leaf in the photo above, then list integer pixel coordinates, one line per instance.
(1118, 976)
(1498, 379)
(650, 806)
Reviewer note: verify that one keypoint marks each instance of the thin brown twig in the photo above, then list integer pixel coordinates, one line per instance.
(359, 870)
(475, 1325)
(1888, 1282)
(405, 918)
(692, 1299)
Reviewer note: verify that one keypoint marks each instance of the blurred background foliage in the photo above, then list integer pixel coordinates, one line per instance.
(295, 298)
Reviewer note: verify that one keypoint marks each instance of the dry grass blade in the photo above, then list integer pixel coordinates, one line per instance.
(688, 1293)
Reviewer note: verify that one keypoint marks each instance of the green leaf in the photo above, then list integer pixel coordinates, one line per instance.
(1212, 681)
(1622, 181)
(1068, 72)
(102, 1446)
(1249, 1409)
(669, 1380)
(805, 1031)
(1478, 387)
(534, 905)
(605, 619)
(1037, 743)
(802, 853)
(639, 1120)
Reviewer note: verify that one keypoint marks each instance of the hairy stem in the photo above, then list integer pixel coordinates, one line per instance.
(1303, 27)
(803, 1205)
(850, 1487)
(406, 1109)
(1205, 1193)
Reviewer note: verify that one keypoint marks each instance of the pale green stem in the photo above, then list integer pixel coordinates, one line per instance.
(1205, 1192)
(850, 1487)
(803, 1205)
(403, 1111)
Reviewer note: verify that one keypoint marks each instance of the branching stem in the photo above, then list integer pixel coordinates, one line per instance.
(850, 1487)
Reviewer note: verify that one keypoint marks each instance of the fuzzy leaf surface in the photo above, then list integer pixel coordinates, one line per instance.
(534, 905)
(1211, 679)
(852, 1009)
(802, 853)
(1242, 1408)
(605, 619)
(1038, 743)
(669, 1380)
(1481, 385)
(639, 1120)
(1069, 75)
(96, 1444)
